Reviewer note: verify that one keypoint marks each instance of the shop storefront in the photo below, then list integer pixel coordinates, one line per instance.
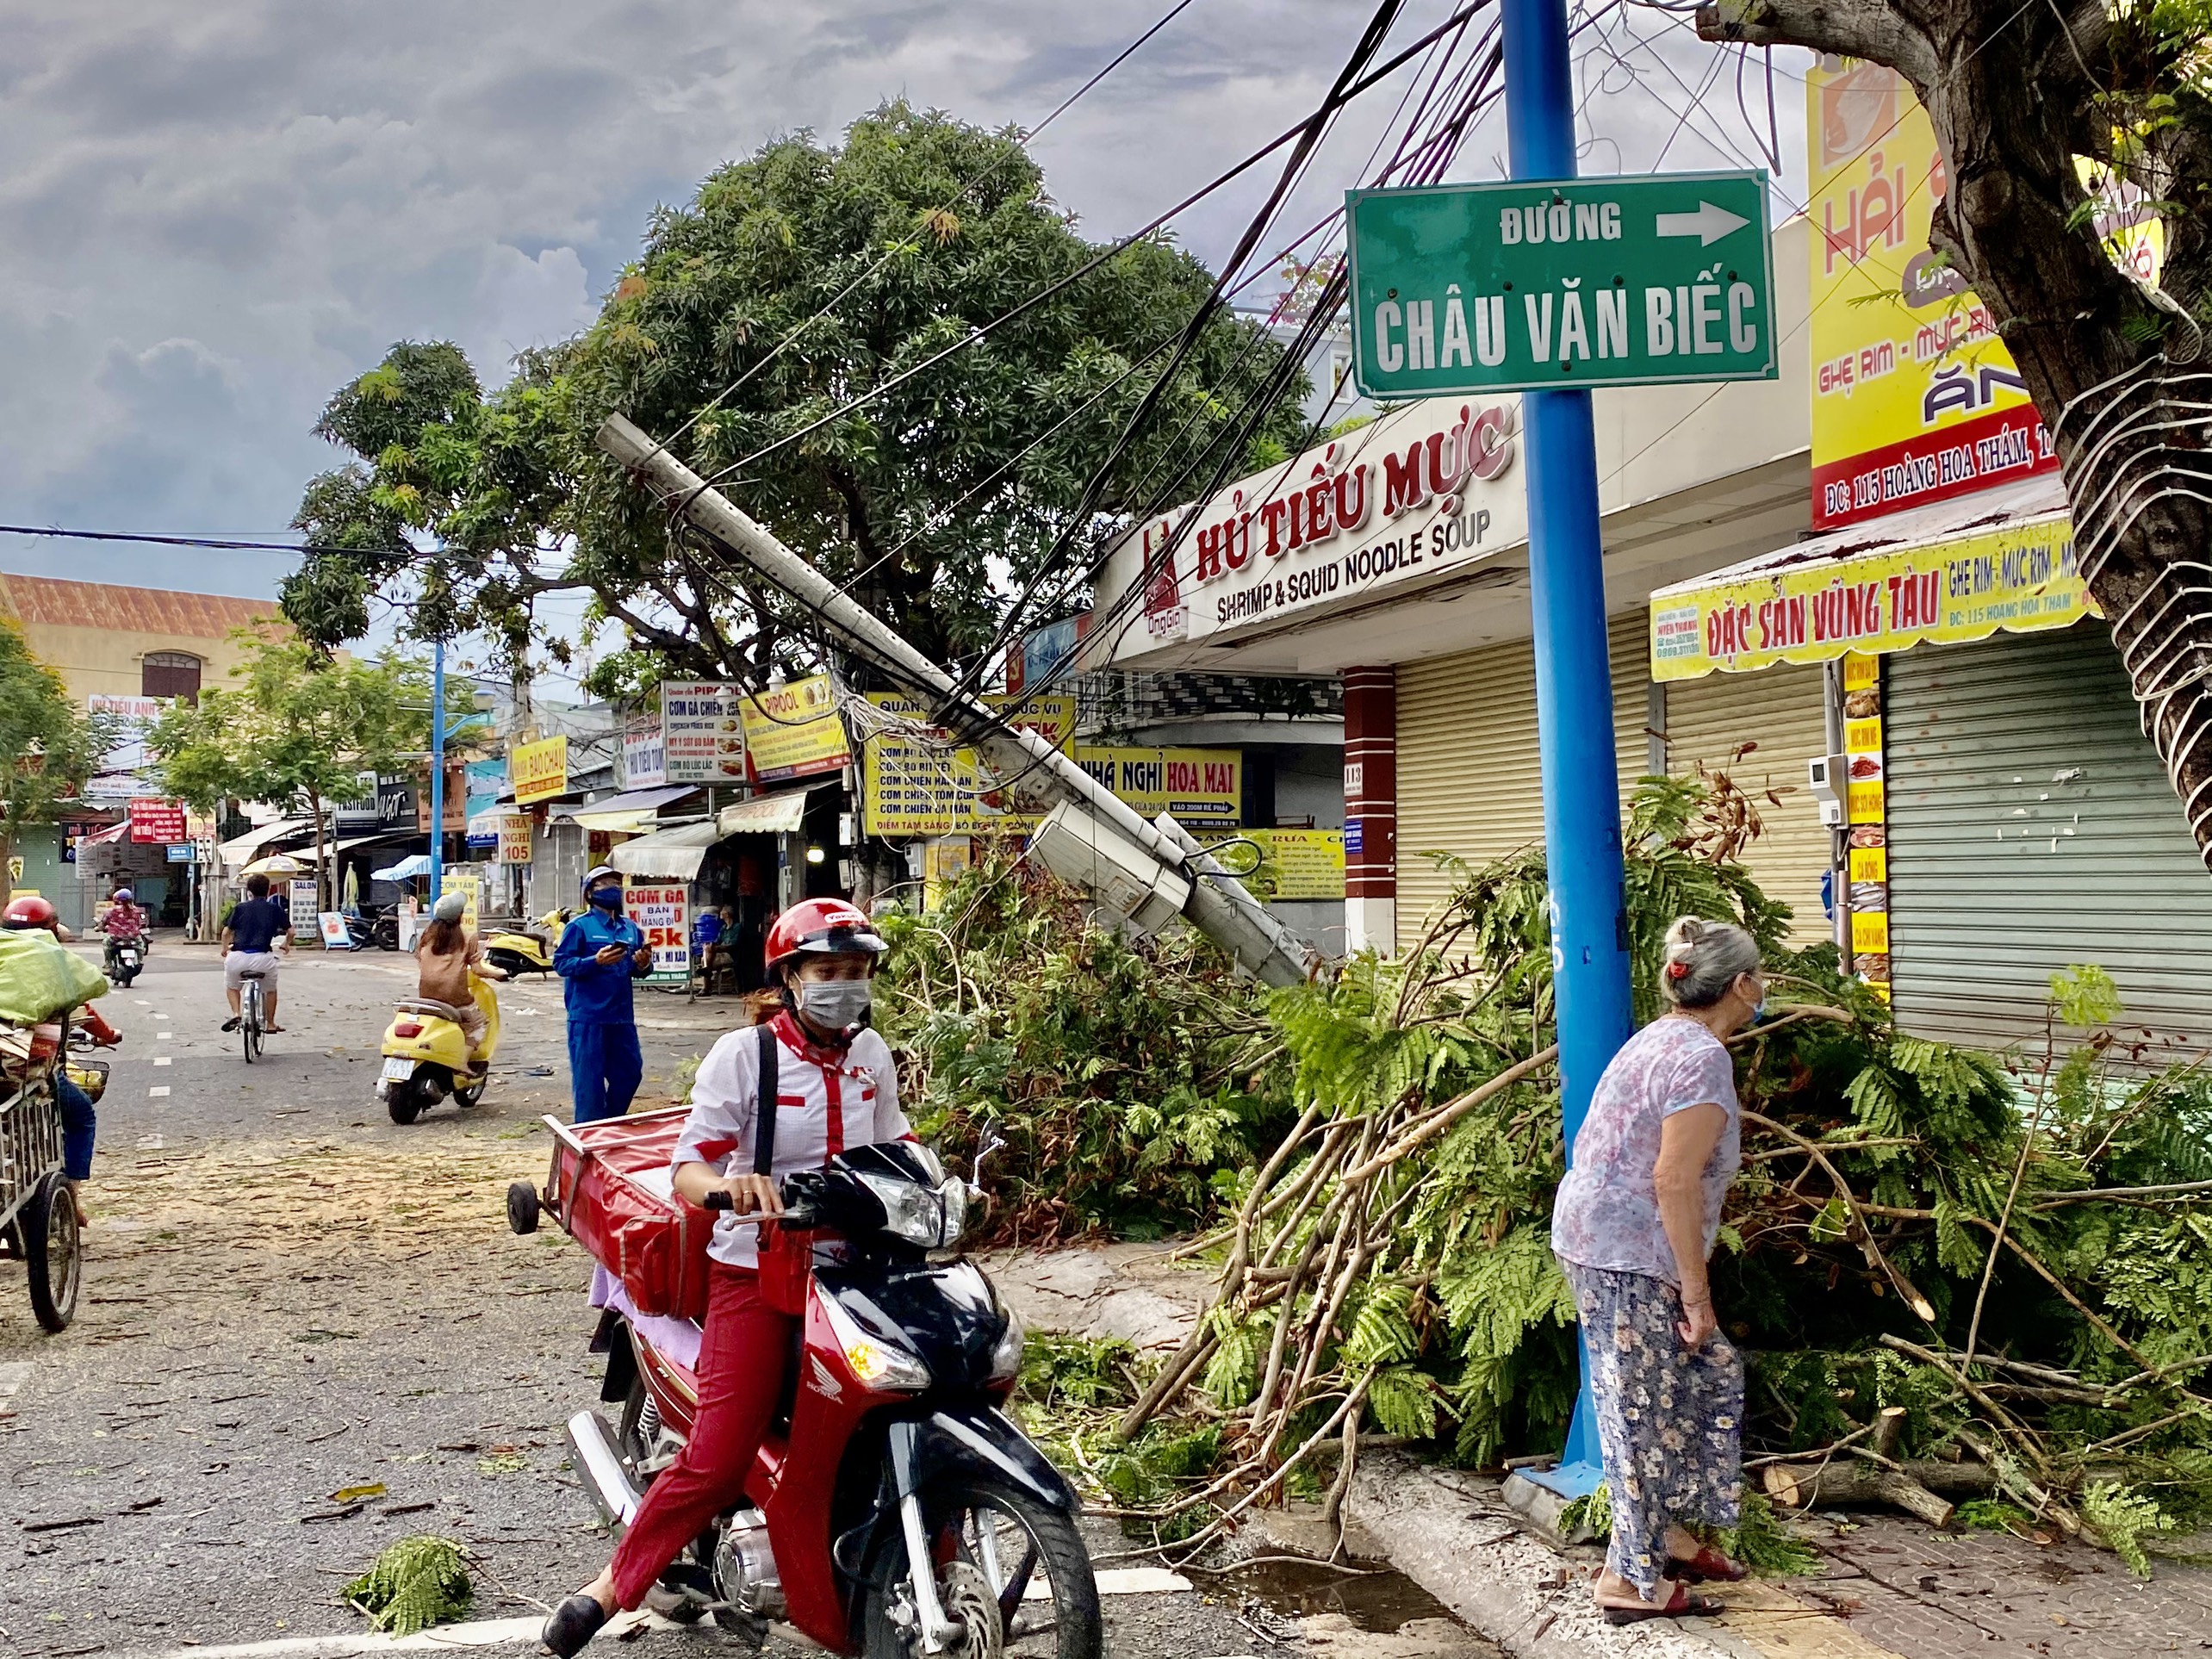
(2006, 819)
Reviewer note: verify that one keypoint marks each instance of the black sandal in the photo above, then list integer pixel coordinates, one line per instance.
(574, 1622)
(233, 1023)
(1685, 1603)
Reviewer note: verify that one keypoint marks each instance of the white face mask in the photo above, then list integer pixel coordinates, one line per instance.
(837, 1004)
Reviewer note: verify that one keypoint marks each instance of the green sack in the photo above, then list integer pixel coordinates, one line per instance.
(39, 979)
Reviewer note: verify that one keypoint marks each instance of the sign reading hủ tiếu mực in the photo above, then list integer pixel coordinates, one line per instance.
(1515, 286)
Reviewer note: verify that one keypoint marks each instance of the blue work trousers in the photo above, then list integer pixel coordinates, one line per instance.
(77, 1126)
(605, 1067)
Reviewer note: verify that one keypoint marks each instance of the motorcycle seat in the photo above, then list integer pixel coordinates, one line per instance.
(435, 1010)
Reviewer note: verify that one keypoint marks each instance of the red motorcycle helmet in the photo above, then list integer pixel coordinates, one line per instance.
(29, 911)
(828, 926)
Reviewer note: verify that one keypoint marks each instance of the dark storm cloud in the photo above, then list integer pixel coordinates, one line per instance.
(212, 215)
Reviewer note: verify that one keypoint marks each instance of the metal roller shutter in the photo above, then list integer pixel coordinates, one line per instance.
(1779, 709)
(1470, 781)
(2031, 827)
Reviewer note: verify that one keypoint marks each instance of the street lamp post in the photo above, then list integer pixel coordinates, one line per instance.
(437, 769)
(1573, 681)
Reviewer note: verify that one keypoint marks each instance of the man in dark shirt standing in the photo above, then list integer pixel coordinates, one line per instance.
(258, 933)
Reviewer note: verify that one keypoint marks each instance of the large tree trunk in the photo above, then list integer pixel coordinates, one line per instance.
(2010, 91)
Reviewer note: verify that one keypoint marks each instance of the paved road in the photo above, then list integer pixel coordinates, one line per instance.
(287, 1295)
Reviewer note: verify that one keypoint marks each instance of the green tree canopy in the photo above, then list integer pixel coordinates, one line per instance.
(795, 281)
(48, 745)
(299, 730)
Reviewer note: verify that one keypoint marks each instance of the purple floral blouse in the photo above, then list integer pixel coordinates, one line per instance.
(1606, 1214)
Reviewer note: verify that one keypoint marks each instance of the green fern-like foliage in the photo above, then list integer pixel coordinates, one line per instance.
(2123, 1518)
(418, 1581)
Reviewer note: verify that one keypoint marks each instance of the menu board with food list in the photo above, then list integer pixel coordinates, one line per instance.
(703, 732)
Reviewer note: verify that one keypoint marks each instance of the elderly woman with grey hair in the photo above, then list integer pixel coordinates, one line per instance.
(1633, 1226)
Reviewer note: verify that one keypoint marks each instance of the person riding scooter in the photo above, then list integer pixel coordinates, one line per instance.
(124, 924)
(441, 1041)
(837, 1088)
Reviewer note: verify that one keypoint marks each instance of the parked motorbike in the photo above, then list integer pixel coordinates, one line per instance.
(895, 1510)
(125, 959)
(377, 927)
(427, 1055)
(528, 950)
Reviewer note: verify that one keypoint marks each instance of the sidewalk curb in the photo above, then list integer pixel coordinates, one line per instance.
(1452, 1533)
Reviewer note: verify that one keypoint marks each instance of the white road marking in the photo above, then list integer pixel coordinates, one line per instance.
(150, 1143)
(161, 1059)
(156, 1091)
(163, 1036)
(142, 1002)
(13, 1376)
(1119, 1580)
(511, 1632)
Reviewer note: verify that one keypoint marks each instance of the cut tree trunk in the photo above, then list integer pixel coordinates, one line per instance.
(1853, 1484)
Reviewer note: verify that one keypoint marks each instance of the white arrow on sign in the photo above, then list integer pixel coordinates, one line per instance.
(1708, 224)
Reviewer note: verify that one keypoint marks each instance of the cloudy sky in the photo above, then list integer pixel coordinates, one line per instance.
(214, 215)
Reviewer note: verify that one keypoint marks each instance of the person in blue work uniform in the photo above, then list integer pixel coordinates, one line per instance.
(599, 954)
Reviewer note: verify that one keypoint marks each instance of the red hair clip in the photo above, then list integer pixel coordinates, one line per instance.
(1677, 970)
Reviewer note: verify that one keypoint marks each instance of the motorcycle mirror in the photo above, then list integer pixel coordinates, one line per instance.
(989, 1144)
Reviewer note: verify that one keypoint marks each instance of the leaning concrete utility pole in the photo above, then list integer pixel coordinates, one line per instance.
(1215, 903)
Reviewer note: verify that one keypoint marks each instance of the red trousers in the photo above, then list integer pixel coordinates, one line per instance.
(741, 1372)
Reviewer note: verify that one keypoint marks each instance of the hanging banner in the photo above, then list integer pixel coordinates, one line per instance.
(1282, 864)
(658, 910)
(793, 731)
(2021, 578)
(540, 769)
(514, 838)
(153, 819)
(484, 782)
(1913, 397)
(702, 731)
(1200, 784)
(644, 751)
(919, 783)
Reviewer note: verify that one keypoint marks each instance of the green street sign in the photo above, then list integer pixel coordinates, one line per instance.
(1596, 281)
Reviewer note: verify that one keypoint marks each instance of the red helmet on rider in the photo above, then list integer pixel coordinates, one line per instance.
(822, 926)
(29, 911)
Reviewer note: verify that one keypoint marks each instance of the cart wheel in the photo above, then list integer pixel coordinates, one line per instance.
(405, 1103)
(53, 1251)
(522, 1207)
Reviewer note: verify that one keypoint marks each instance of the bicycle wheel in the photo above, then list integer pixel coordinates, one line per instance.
(249, 1025)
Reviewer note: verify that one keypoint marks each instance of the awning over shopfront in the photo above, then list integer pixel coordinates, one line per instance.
(669, 855)
(779, 814)
(1956, 571)
(241, 850)
(626, 814)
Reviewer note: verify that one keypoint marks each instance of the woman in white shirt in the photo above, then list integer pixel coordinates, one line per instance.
(836, 1087)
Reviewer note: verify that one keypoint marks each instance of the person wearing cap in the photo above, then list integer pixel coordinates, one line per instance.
(80, 1124)
(445, 955)
(836, 1087)
(600, 953)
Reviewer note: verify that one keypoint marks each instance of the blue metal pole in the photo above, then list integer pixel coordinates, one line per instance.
(437, 770)
(1573, 681)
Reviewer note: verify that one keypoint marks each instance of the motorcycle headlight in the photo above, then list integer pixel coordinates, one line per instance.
(1006, 1357)
(877, 1361)
(931, 1217)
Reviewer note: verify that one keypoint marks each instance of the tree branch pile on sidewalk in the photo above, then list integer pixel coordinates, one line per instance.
(1133, 1079)
(1932, 1255)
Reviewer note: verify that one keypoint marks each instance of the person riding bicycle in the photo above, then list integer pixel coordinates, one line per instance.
(836, 1087)
(123, 921)
(80, 1124)
(257, 936)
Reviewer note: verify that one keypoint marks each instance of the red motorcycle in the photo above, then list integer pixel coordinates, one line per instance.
(895, 1510)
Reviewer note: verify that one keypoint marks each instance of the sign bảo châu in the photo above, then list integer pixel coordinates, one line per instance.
(1607, 282)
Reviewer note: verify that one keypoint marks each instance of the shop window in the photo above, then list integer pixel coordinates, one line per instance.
(170, 673)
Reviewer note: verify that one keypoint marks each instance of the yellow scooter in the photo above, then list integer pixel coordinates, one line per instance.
(529, 951)
(427, 1056)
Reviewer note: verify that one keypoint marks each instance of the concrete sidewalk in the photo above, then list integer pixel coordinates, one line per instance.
(1891, 1588)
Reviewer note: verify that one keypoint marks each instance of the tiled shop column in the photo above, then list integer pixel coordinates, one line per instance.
(1371, 809)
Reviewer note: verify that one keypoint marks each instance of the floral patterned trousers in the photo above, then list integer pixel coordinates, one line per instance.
(1669, 1418)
